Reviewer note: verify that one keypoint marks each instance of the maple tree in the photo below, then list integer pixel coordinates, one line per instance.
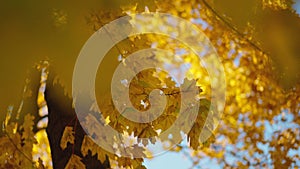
(257, 42)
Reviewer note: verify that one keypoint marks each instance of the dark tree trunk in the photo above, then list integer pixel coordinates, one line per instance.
(62, 114)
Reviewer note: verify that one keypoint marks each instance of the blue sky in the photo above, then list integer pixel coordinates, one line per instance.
(297, 6)
(181, 161)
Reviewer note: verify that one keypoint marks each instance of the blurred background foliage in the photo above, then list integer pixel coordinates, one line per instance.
(257, 41)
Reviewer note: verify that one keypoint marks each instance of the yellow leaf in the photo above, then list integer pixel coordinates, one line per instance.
(68, 137)
(88, 144)
(75, 163)
(28, 126)
(101, 155)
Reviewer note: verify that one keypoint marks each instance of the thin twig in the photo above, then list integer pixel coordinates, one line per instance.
(231, 26)
(16, 147)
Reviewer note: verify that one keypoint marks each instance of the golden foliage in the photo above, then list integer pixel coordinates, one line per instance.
(67, 137)
(16, 145)
(75, 163)
(262, 89)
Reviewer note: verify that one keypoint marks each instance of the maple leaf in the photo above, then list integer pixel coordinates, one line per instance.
(27, 126)
(67, 137)
(75, 163)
